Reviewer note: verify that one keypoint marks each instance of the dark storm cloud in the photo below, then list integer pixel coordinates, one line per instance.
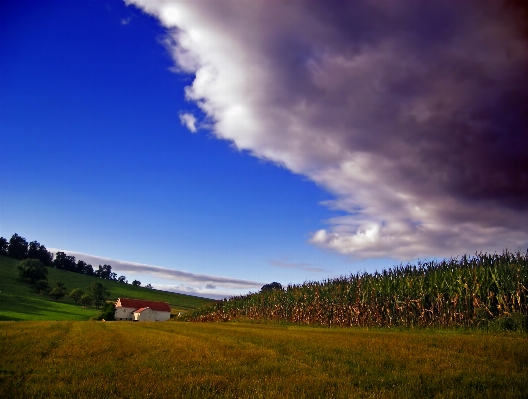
(413, 113)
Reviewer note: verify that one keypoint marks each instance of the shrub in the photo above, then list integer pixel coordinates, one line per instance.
(76, 294)
(108, 312)
(59, 291)
(42, 286)
(271, 286)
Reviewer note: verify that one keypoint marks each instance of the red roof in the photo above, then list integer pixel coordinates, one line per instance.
(140, 310)
(140, 303)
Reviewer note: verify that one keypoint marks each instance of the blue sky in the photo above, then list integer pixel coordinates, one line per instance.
(310, 159)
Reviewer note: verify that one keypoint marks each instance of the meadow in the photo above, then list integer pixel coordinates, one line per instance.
(19, 301)
(71, 359)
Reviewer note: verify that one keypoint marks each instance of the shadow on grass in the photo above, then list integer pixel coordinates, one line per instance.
(10, 318)
(42, 308)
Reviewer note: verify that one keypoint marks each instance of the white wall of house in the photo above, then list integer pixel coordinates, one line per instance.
(162, 316)
(145, 315)
(122, 313)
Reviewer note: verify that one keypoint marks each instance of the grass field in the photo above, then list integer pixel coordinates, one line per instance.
(237, 360)
(18, 301)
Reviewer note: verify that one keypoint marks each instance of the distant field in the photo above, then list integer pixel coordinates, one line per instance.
(237, 360)
(20, 302)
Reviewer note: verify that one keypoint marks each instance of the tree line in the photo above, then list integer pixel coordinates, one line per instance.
(18, 248)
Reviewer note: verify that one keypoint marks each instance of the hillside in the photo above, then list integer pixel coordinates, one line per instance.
(20, 302)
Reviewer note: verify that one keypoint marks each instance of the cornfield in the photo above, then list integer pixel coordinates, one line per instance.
(467, 291)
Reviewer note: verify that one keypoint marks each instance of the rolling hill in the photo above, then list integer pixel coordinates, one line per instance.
(19, 301)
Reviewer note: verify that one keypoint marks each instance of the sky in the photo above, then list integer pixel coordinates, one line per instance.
(211, 147)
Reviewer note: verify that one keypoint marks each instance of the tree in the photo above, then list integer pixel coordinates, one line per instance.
(88, 270)
(271, 286)
(76, 294)
(3, 246)
(33, 249)
(122, 279)
(86, 300)
(148, 286)
(64, 262)
(108, 311)
(45, 256)
(18, 247)
(58, 291)
(32, 269)
(84, 268)
(79, 266)
(137, 283)
(105, 272)
(99, 293)
(42, 286)
(38, 251)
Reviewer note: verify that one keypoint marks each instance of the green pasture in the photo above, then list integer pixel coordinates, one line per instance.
(19, 301)
(236, 360)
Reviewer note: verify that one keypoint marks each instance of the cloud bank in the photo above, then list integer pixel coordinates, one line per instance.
(189, 283)
(412, 113)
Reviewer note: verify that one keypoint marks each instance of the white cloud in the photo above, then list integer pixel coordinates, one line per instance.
(414, 116)
(189, 121)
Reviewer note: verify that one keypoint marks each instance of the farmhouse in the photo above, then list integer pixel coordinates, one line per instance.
(140, 310)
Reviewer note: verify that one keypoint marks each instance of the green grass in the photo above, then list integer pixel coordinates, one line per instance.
(238, 360)
(18, 301)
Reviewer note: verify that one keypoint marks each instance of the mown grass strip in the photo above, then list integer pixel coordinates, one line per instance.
(235, 360)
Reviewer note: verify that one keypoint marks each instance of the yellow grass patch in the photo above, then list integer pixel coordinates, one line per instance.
(232, 360)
